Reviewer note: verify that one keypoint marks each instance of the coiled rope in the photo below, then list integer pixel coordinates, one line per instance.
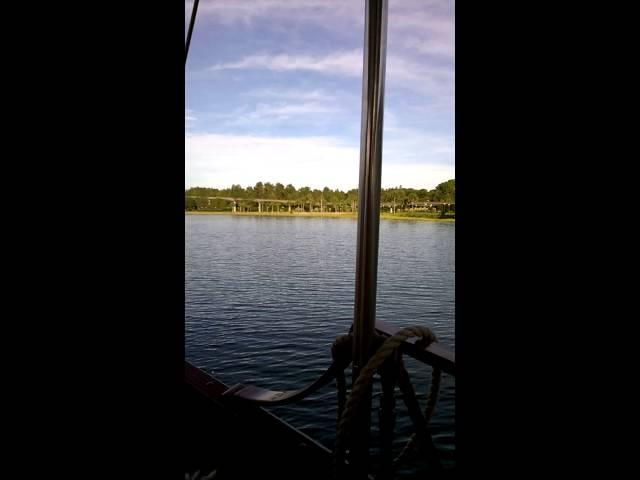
(361, 387)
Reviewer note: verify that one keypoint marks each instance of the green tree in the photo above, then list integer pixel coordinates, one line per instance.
(259, 190)
(290, 192)
(445, 192)
(237, 191)
(269, 190)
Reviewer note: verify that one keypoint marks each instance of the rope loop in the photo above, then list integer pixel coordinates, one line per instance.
(362, 384)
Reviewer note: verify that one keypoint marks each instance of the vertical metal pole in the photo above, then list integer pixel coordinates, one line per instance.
(369, 186)
(368, 210)
(192, 22)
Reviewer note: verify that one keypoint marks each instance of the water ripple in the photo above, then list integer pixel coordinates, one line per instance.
(266, 297)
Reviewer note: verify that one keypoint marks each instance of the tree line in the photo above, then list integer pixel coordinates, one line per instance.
(337, 200)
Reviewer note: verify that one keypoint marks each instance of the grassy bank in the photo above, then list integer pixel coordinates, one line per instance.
(420, 218)
(384, 216)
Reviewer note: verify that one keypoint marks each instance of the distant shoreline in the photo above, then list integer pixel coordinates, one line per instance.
(383, 216)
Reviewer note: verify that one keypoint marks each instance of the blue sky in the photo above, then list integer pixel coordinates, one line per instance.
(273, 93)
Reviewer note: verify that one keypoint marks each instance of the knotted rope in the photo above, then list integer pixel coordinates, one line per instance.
(361, 387)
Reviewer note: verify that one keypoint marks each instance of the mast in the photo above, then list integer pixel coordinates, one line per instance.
(375, 46)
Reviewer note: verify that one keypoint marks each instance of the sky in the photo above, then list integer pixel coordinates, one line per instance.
(273, 93)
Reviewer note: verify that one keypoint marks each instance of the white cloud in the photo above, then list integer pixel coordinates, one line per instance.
(426, 27)
(267, 115)
(292, 109)
(402, 71)
(420, 37)
(221, 160)
(189, 117)
(410, 146)
(423, 78)
(420, 60)
(317, 95)
(429, 44)
(411, 175)
(411, 16)
(340, 63)
(247, 12)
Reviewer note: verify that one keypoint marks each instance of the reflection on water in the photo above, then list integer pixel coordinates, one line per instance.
(265, 297)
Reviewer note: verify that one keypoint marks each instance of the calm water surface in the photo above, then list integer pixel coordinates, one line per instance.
(265, 297)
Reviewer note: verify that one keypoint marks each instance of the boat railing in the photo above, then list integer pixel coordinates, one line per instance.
(391, 344)
(434, 355)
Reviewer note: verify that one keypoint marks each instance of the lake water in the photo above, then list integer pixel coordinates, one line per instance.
(265, 297)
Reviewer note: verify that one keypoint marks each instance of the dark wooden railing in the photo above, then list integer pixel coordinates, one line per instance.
(434, 355)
